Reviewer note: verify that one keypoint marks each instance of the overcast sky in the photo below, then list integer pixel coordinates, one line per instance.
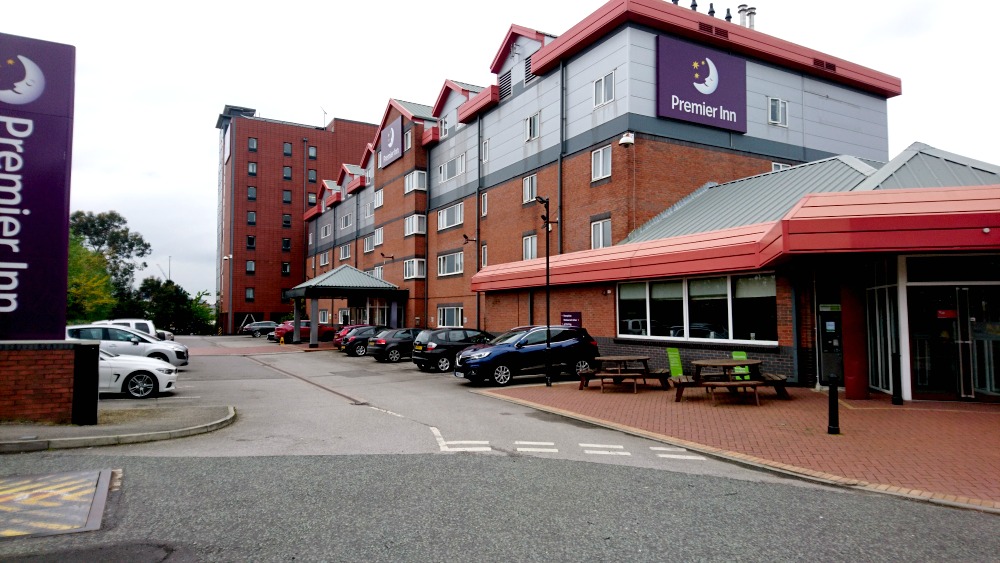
(152, 78)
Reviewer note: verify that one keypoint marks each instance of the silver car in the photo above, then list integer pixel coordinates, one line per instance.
(125, 341)
(138, 377)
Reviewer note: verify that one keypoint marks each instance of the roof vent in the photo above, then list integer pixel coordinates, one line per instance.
(825, 65)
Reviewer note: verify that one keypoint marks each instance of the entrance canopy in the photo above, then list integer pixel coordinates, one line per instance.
(346, 282)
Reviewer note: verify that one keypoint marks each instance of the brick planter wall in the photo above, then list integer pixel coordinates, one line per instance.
(39, 379)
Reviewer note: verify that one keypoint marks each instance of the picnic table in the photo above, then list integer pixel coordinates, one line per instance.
(617, 369)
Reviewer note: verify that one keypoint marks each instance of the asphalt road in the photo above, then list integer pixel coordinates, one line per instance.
(344, 459)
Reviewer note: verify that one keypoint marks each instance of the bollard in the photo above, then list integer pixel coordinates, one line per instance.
(834, 425)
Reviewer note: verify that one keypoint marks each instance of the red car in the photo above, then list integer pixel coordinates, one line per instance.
(284, 330)
(339, 337)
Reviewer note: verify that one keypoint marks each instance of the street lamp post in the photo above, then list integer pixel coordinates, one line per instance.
(546, 224)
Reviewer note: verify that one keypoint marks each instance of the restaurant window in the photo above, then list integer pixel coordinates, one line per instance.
(632, 308)
(755, 308)
(708, 308)
(666, 308)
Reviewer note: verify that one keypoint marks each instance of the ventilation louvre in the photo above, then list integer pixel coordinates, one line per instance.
(825, 65)
(503, 83)
(712, 30)
(528, 76)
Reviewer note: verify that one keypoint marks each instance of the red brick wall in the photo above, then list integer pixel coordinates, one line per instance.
(37, 385)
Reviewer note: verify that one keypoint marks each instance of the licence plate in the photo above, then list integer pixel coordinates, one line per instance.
(418, 347)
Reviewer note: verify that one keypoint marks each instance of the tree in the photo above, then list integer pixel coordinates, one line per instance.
(108, 233)
(89, 290)
(170, 307)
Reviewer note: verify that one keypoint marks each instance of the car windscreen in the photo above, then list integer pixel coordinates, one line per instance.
(508, 337)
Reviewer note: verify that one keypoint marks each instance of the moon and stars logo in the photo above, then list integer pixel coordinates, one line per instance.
(710, 82)
(22, 90)
(392, 138)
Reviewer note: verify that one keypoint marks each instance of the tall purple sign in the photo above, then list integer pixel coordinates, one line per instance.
(36, 134)
(391, 142)
(701, 85)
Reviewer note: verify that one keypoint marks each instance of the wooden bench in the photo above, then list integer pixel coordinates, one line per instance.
(732, 385)
(776, 381)
(618, 378)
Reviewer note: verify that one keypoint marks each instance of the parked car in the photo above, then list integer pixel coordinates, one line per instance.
(392, 345)
(138, 377)
(284, 330)
(436, 349)
(142, 325)
(259, 328)
(355, 342)
(339, 337)
(522, 350)
(127, 342)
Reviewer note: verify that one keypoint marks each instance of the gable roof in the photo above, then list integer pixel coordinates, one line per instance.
(342, 281)
(923, 166)
(756, 199)
(460, 88)
(513, 33)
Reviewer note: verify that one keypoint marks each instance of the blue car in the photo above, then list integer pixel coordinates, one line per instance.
(522, 351)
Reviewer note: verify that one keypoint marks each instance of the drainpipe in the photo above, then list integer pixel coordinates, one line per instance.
(479, 201)
(427, 242)
(562, 151)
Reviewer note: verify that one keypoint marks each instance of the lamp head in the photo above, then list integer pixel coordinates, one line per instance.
(542, 200)
(627, 140)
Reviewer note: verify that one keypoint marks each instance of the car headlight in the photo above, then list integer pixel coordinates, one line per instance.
(479, 355)
(165, 371)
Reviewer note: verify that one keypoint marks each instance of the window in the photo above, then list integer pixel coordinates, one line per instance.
(286, 245)
(378, 236)
(443, 126)
(377, 272)
(249, 294)
(368, 209)
(286, 268)
(345, 251)
(251, 217)
(310, 238)
(252, 144)
(450, 216)
(287, 149)
(378, 199)
(450, 316)
(415, 224)
(452, 168)
(600, 234)
(324, 258)
(311, 198)
(369, 243)
(482, 254)
(370, 175)
(483, 200)
(251, 267)
(286, 221)
(529, 188)
(312, 176)
(407, 140)
(252, 168)
(325, 231)
(740, 308)
(251, 242)
(529, 247)
(775, 166)
(604, 89)
(286, 196)
(600, 163)
(485, 152)
(347, 220)
(449, 264)
(416, 180)
(251, 193)
(324, 316)
(414, 268)
(312, 153)
(286, 172)
(531, 128)
(777, 112)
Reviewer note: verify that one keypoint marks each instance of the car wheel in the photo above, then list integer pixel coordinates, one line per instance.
(140, 385)
(502, 375)
(581, 365)
(393, 355)
(443, 364)
(360, 350)
(256, 334)
(158, 356)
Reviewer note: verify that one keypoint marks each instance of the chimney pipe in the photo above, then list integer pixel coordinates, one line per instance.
(729, 16)
(743, 14)
(711, 9)
(751, 12)
(694, 5)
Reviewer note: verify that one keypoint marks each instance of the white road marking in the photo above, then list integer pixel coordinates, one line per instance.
(663, 449)
(522, 443)
(602, 446)
(539, 450)
(385, 411)
(605, 452)
(446, 448)
(681, 456)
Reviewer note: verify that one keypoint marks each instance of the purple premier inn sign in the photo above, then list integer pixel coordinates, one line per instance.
(391, 142)
(702, 85)
(36, 133)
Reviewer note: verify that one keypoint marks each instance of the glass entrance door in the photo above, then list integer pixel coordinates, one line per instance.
(883, 337)
(954, 338)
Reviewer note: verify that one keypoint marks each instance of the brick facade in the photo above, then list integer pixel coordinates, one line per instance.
(39, 382)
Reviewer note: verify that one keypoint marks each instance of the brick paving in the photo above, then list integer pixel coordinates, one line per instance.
(947, 452)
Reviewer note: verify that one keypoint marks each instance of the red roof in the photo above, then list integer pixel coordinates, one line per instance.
(914, 220)
(684, 22)
(449, 87)
(513, 33)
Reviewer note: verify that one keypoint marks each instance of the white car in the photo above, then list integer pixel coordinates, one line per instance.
(142, 325)
(127, 342)
(136, 376)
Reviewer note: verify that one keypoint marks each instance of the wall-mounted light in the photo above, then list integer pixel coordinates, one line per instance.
(390, 257)
(627, 140)
(467, 239)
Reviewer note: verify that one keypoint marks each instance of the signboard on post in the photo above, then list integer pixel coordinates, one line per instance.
(36, 135)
